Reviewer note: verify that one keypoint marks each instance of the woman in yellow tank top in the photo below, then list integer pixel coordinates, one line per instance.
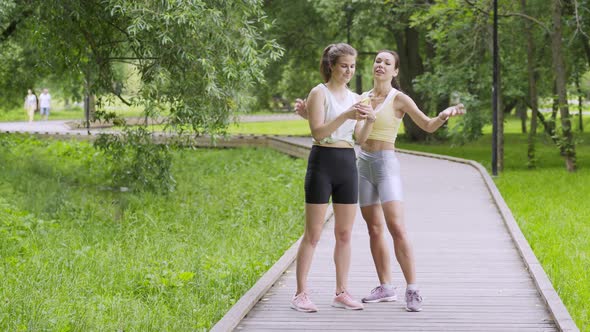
(380, 190)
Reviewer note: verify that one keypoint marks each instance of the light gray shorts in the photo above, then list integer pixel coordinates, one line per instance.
(379, 177)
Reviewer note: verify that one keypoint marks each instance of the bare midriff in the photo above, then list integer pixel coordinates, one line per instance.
(338, 144)
(372, 145)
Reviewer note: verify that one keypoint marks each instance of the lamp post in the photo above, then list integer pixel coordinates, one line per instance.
(495, 92)
(349, 10)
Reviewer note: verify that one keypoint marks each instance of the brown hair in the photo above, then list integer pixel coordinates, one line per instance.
(394, 82)
(331, 55)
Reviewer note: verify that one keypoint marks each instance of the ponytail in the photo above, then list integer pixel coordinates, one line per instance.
(331, 55)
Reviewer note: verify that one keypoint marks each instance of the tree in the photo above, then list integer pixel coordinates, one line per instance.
(567, 142)
(196, 59)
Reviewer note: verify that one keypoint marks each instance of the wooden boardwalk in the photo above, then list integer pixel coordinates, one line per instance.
(475, 270)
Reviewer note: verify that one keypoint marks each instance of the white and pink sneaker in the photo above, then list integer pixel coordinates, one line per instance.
(344, 300)
(302, 303)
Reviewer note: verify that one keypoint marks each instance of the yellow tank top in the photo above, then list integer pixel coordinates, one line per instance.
(386, 123)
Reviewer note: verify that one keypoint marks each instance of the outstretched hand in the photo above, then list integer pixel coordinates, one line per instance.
(301, 107)
(456, 110)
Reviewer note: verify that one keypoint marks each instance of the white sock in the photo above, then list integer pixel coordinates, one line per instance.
(412, 287)
(387, 286)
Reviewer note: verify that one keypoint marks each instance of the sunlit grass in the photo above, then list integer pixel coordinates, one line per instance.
(78, 257)
(293, 127)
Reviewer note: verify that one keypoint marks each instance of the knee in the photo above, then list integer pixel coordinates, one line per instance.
(398, 233)
(311, 239)
(343, 236)
(375, 230)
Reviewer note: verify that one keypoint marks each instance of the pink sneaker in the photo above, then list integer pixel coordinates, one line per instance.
(344, 300)
(302, 303)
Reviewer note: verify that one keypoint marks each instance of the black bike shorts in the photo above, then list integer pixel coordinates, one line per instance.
(331, 172)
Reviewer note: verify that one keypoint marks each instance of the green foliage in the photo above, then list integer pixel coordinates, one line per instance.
(195, 59)
(134, 161)
(77, 257)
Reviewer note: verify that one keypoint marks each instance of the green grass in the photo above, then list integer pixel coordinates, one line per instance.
(60, 112)
(78, 257)
(293, 127)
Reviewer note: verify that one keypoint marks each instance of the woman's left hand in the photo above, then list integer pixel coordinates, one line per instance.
(456, 110)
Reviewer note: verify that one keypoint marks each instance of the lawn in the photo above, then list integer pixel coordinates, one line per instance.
(77, 256)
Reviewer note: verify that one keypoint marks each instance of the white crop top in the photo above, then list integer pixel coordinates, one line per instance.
(332, 109)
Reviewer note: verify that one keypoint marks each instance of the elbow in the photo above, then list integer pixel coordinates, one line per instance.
(430, 128)
(317, 137)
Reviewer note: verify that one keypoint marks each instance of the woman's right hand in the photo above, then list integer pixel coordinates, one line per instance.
(301, 108)
(359, 111)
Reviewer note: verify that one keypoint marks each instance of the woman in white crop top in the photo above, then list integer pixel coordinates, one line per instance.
(380, 188)
(332, 172)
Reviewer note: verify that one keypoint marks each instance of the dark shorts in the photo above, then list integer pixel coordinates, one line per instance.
(331, 172)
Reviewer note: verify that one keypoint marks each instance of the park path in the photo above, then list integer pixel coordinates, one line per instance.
(475, 269)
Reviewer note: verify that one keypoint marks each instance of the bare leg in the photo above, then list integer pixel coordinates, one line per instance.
(394, 217)
(344, 215)
(373, 216)
(314, 222)
(31, 114)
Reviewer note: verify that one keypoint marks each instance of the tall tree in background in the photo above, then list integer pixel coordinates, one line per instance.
(567, 140)
(532, 80)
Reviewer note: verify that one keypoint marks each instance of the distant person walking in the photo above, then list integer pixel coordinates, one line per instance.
(45, 103)
(30, 104)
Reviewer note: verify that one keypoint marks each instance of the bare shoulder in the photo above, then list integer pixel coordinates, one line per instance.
(403, 101)
(316, 92)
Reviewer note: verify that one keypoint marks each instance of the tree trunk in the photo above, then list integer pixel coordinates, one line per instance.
(521, 112)
(410, 67)
(532, 89)
(548, 129)
(580, 104)
(586, 47)
(569, 152)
